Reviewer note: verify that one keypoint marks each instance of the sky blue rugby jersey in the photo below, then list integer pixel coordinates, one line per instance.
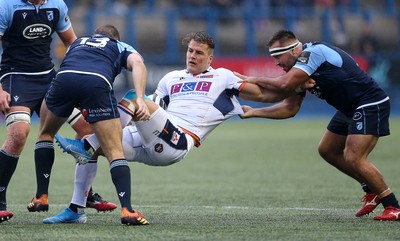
(340, 81)
(27, 30)
(97, 55)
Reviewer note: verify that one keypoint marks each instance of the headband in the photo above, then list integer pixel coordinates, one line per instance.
(282, 50)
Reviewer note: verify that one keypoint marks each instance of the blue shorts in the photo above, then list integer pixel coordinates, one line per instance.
(89, 93)
(27, 90)
(369, 120)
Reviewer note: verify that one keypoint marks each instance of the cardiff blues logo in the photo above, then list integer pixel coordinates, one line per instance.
(50, 15)
(359, 125)
(357, 116)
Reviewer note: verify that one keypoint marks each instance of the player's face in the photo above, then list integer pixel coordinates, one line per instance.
(198, 57)
(286, 60)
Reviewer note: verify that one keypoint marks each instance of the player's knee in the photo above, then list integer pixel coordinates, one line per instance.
(17, 117)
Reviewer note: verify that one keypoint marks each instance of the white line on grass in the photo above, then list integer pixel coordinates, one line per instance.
(212, 207)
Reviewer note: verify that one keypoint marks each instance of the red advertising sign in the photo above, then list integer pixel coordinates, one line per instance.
(261, 66)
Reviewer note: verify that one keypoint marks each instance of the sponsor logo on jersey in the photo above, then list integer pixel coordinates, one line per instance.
(66, 19)
(210, 76)
(357, 116)
(200, 86)
(175, 138)
(24, 14)
(36, 31)
(304, 57)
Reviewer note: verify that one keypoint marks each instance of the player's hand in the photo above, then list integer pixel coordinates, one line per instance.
(5, 100)
(143, 112)
(247, 112)
(309, 84)
(245, 78)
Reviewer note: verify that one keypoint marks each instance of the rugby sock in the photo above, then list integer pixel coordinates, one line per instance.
(124, 117)
(8, 163)
(84, 177)
(121, 177)
(91, 142)
(44, 160)
(366, 188)
(390, 200)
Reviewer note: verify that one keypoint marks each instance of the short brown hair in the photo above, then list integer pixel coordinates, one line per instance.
(109, 30)
(282, 36)
(200, 37)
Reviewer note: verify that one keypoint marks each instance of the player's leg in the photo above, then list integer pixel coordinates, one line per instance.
(17, 130)
(44, 152)
(331, 148)
(357, 149)
(365, 127)
(26, 97)
(109, 133)
(92, 199)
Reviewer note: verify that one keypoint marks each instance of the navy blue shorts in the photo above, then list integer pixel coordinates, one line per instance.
(27, 90)
(89, 93)
(370, 120)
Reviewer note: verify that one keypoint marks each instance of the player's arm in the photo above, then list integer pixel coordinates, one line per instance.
(136, 65)
(288, 108)
(67, 37)
(257, 93)
(4, 96)
(287, 82)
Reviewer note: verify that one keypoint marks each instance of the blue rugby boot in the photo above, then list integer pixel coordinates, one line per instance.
(67, 216)
(75, 148)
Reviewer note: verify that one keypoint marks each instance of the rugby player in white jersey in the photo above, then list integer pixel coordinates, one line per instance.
(198, 99)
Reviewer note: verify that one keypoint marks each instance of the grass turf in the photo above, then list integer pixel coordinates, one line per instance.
(250, 180)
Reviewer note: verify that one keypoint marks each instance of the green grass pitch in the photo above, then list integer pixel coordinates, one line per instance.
(250, 180)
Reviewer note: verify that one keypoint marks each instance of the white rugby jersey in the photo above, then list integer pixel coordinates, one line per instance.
(200, 103)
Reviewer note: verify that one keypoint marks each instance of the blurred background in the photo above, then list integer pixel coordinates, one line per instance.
(368, 29)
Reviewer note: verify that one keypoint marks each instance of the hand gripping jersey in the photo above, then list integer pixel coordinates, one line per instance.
(97, 55)
(27, 30)
(340, 81)
(200, 103)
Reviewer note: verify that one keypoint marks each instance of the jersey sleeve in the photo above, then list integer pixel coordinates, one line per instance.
(5, 17)
(162, 87)
(232, 80)
(64, 23)
(125, 50)
(310, 60)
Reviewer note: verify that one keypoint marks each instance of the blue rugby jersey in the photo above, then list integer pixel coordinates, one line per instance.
(27, 30)
(340, 81)
(97, 55)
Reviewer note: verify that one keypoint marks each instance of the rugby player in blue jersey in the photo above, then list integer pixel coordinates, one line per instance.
(362, 115)
(26, 70)
(85, 80)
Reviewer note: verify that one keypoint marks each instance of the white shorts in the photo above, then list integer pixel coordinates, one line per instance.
(156, 142)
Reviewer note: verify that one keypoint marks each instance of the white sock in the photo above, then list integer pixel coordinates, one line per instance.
(84, 177)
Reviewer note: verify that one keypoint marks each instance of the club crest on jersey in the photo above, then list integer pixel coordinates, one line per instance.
(304, 57)
(50, 15)
(159, 148)
(203, 86)
(359, 125)
(175, 138)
